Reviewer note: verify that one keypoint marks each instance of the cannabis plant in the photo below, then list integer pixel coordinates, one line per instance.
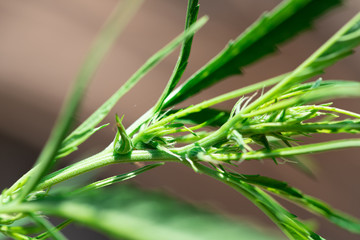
(266, 122)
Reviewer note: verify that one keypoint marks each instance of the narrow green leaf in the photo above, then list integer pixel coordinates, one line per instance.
(51, 230)
(70, 144)
(260, 39)
(191, 16)
(310, 85)
(59, 227)
(329, 109)
(287, 222)
(118, 178)
(310, 203)
(45, 161)
(128, 213)
(268, 183)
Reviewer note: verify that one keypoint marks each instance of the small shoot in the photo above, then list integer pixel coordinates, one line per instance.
(122, 143)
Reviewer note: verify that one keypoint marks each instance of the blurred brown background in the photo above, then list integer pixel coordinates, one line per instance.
(43, 43)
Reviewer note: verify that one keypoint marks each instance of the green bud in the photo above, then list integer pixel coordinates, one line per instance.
(123, 143)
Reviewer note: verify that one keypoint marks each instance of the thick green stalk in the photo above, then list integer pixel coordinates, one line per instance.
(102, 159)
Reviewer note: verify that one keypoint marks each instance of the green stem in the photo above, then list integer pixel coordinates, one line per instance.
(330, 109)
(284, 152)
(328, 127)
(102, 159)
(305, 149)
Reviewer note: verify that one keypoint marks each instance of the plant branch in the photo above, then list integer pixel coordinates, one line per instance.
(102, 159)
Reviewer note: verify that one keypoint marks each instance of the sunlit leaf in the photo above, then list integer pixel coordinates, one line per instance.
(132, 214)
(310, 203)
(260, 39)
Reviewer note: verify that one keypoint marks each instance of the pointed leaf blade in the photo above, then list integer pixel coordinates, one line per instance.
(260, 39)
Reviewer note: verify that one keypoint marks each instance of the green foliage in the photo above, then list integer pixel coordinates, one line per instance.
(142, 215)
(206, 139)
(260, 39)
(310, 203)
